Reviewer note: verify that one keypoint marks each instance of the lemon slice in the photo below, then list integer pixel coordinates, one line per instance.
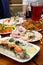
(31, 51)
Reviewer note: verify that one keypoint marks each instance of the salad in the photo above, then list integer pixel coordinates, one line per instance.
(6, 28)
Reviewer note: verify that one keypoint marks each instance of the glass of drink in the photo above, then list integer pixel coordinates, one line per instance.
(36, 8)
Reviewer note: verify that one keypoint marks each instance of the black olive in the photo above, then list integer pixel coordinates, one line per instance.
(17, 42)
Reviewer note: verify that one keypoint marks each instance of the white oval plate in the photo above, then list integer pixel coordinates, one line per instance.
(37, 37)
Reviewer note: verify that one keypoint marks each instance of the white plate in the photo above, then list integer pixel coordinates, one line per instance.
(21, 20)
(37, 37)
(11, 55)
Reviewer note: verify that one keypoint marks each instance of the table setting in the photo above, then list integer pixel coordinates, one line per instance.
(21, 40)
(19, 37)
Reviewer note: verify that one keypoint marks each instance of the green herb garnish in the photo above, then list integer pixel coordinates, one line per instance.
(11, 40)
(19, 43)
(32, 36)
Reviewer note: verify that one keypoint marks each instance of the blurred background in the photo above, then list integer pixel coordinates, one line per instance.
(15, 6)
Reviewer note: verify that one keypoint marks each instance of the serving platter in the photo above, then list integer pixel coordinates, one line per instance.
(31, 49)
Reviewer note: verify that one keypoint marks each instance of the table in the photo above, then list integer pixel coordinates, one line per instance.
(37, 60)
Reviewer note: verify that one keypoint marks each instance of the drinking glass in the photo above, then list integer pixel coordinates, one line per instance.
(36, 8)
